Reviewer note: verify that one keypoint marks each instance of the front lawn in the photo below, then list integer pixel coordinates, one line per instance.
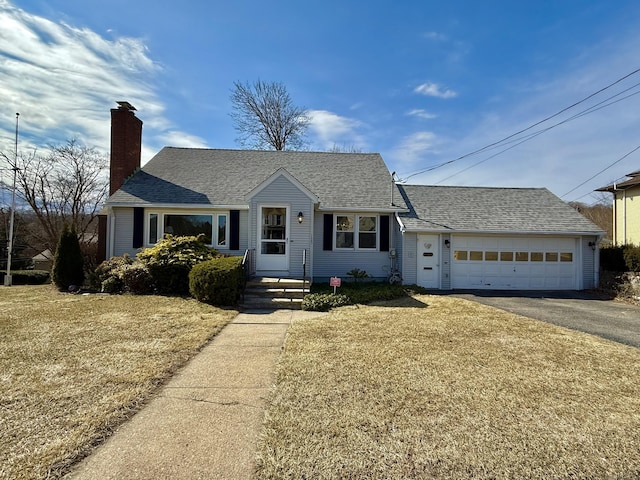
(73, 367)
(439, 387)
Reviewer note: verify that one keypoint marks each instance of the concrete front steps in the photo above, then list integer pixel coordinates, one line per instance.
(274, 293)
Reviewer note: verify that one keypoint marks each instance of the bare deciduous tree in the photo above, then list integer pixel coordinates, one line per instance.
(266, 118)
(344, 149)
(67, 185)
(600, 213)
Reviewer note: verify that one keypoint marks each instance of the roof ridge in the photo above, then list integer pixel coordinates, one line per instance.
(472, 187)
(271, 151)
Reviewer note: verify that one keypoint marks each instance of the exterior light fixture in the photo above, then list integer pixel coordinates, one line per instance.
(447, 243)
(593, 246)
(300, 217)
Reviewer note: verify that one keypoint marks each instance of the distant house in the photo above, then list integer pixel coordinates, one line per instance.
(325, 214)
(626, 209)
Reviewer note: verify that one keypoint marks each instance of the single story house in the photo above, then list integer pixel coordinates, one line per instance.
(319, 214)
(626, 209)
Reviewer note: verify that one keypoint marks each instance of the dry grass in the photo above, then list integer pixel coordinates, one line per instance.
(453, 390)
(73, 367)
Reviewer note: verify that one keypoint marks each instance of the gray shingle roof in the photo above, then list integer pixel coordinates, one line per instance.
(195, 176)
(497, 210)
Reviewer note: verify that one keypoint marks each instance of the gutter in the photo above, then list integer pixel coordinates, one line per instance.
(598, 233)
(181, 206)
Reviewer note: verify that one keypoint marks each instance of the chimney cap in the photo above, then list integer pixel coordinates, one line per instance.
(125, 106)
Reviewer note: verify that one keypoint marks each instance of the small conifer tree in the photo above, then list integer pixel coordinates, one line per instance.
(68, 263)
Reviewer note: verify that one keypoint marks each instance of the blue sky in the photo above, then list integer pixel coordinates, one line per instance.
(421, 82)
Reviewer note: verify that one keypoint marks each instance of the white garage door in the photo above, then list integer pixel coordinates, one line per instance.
(527, 263)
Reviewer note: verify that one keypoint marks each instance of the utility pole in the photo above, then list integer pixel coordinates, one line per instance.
(7, 278)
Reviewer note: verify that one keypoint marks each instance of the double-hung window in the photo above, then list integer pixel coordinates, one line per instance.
(214, 227)
(358, 232)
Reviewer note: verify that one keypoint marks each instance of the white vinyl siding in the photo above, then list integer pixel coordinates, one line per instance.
(281, 191)
(590, 262)
(409, 258)
(337, 262)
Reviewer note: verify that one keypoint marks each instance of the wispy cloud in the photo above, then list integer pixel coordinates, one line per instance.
(330, 129)
(414, 148)
(176, 138)
(436, 36)
(63, 80)
(420, 113)
(566, 155)
(434, 90)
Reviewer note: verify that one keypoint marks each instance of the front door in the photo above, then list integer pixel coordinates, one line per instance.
(428, 261)
(273, 238)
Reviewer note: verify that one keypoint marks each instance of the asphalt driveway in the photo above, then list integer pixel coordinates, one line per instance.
(581, 311)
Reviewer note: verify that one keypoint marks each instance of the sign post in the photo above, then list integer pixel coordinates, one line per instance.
(335, 282)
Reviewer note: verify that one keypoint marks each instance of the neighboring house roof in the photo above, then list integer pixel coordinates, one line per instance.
(634, 180)
(201, 177)
(490, 210)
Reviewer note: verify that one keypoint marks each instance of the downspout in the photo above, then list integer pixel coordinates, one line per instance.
(393, 253)
(393, 184)
(111, 233)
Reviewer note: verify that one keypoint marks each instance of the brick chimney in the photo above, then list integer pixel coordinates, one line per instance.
(126, 144)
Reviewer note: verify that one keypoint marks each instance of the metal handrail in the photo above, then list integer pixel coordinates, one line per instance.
(304, 269)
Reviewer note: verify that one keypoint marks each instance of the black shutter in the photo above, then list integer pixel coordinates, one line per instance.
(234, 229)
(327, 233)
(384, 233)
(138, 227)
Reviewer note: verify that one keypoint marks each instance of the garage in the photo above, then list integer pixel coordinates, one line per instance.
(495, 239)
(523, 263)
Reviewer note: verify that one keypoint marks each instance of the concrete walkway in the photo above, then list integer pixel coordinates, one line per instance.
(204, 424)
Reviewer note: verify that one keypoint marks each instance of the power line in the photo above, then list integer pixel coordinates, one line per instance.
(497, 143)
(531, 136)
(601, 171)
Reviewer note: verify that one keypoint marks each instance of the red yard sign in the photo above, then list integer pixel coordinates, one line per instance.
(335, 283)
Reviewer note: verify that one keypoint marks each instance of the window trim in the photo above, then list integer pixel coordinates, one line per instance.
(160, 214)
(227, 230)
(356, 231)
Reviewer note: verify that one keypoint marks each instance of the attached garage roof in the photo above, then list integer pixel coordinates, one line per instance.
(490, 210)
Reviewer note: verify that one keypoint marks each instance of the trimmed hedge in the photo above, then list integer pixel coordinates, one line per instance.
(218, 281)
(27, 277)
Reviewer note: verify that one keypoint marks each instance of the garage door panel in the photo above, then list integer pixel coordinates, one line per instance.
(514, 263)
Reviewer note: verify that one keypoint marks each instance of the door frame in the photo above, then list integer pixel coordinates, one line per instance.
(260, 258)
(422, 238)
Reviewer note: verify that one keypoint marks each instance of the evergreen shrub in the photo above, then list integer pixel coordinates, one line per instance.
(107, 277)
(612, 259)
(171, 259)
(632, 258)
(218, 281)
(68, 262)
(323, 302)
